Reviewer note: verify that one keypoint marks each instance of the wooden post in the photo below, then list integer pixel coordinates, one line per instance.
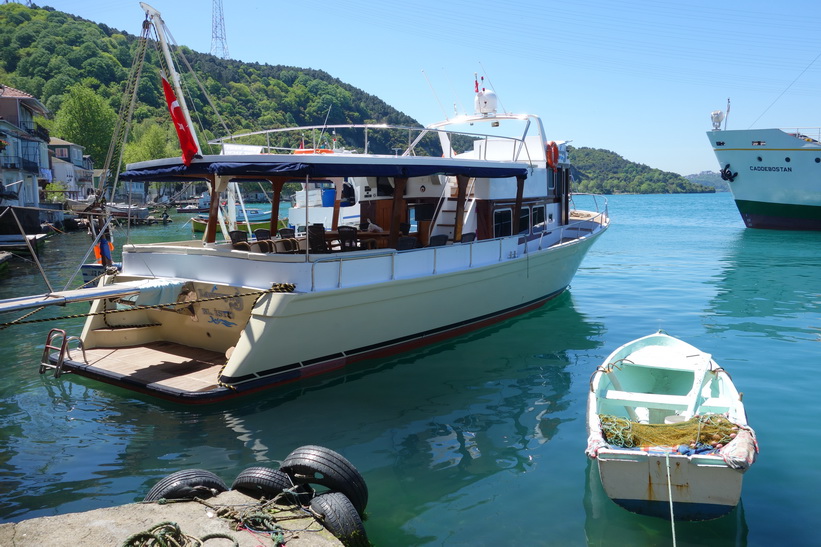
(461, 195)
(520, 190)
(276, 186)
(398, 211)
(213, 213)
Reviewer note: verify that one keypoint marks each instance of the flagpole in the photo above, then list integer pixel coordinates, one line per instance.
(159, 26)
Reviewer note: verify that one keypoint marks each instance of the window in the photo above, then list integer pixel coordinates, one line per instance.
(61, 152)
(538, 219)
(524, 220)
(502, 223)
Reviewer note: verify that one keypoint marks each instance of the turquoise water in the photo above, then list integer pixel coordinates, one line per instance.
(480, 440)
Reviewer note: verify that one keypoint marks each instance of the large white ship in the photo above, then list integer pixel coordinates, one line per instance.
(774, 174)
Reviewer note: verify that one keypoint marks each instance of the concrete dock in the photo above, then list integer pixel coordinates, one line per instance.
(112, 526)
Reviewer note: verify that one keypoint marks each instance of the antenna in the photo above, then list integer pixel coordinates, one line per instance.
(219, 43)
(491, 86)
(444, 112)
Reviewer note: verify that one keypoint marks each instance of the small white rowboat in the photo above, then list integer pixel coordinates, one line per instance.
(665, 421)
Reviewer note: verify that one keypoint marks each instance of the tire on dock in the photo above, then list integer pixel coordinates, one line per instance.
(266, 482)
(319, 465)
(338, 515)
(187, 484)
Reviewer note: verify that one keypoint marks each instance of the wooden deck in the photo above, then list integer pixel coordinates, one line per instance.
(167, 364)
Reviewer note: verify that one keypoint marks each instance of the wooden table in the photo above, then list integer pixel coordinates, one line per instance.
(381, 238)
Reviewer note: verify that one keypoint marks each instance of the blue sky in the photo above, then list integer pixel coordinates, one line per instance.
(639, 78)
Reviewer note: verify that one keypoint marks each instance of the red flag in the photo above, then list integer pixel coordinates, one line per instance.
(187, 144)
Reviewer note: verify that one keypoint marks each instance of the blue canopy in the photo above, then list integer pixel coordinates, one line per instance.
(203, 169)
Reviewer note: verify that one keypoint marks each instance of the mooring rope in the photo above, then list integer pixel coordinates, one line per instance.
(277, 287)
(670, 495)
(169, 534)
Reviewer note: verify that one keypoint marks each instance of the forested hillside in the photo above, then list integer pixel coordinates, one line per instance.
(51, 54)
(603, 172)
(710, 178)
(78, 69)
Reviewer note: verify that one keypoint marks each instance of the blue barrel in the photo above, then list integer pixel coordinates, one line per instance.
(328, 197)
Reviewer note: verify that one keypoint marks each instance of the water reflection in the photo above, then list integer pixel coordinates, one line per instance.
(421, 427)
(768, 279)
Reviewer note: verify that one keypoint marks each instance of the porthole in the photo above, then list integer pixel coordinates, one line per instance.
(817, 160)
(759, 158)
(787, 160)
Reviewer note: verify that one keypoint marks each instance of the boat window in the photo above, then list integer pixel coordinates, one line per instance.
(384, 186)
(538, 219)
(551, 179)
(502, 223)
(348, 195)
(524, 220)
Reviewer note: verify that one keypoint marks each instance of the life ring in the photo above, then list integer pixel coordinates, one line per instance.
(313, 151)
(267, 482)
(552, 152)
(319, 465)
(187, 484)
(339, 517)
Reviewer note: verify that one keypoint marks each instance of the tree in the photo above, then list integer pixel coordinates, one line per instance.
(86, 119)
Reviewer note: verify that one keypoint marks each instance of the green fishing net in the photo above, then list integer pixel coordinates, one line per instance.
(709, 429)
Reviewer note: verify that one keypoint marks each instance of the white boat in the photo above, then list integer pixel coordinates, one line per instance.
(320, 203)
(127, 211)
(497, 235)
(664, 419)
(772, 173)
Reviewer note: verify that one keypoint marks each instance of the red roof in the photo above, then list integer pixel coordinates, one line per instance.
(8, 91)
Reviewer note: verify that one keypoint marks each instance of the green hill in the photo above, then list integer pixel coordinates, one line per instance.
(78, 69)
(44, 52)
(604, 172)
(710, 178)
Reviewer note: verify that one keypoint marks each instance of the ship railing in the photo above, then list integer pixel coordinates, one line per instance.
(809, 134)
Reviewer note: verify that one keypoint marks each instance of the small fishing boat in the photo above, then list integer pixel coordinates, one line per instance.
(664, 420)
(127, 211)
(254, 218)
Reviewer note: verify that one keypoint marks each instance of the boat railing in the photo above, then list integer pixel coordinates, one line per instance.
(350, 270)
(586, 223)
(492, 147)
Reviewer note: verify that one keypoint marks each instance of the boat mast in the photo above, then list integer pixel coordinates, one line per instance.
(159, 26)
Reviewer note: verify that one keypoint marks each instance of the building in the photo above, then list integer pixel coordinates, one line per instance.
(72, 168)
(24, 162)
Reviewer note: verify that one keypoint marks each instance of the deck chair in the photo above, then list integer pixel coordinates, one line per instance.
(438, 240)
(404, 228)
(468, 237)
(287, 233)
(348, 240)
(239, 240)
(406, 242)
(316, 239)
(263, 237)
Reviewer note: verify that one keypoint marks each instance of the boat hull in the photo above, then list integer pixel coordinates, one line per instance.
(704, 488)
(290, 336)
(773, 175)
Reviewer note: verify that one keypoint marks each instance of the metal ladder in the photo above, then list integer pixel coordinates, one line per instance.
(64, 351)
